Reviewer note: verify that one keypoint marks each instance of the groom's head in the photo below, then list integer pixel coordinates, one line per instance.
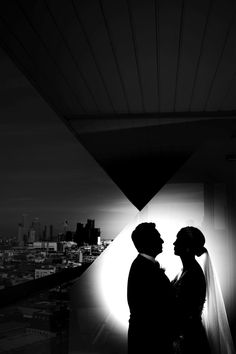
(147, 239)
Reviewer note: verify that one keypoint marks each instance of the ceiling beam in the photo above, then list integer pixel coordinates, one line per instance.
(162, 115)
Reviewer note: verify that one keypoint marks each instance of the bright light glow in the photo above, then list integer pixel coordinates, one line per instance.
(99, 297)
(171, 209)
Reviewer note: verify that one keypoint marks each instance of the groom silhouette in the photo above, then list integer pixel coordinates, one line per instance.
(149, 295)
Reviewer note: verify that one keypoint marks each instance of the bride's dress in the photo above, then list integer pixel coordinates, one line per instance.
(190, 293)
(202, 325)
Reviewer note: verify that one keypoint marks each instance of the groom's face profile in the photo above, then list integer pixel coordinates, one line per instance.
(155, 243)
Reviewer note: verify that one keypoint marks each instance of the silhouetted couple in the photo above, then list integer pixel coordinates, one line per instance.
(165, 317)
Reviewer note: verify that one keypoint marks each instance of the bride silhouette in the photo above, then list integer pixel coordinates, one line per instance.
(195, 293)
(190, 292)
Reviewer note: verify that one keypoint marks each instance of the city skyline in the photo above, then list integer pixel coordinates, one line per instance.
(29, 221)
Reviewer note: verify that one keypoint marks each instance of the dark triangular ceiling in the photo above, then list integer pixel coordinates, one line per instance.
(141, 160)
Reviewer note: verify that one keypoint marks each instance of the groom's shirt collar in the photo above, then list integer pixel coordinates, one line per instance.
(152, 259)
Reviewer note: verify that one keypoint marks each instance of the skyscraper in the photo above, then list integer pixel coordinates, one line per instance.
(20, 236)
(45, 233)
(91, 232)
(37, 228)
(32, 235)
(51, 233)
(79, 236)
(25, 225)
(65, 227)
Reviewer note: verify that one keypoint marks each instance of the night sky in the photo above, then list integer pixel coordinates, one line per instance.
(45, 171)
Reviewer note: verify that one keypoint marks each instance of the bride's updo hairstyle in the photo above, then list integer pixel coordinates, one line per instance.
(195, 239)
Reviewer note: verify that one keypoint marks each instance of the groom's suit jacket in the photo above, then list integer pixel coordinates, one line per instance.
(150, 299)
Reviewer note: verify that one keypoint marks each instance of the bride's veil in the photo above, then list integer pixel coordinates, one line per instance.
(214, 314)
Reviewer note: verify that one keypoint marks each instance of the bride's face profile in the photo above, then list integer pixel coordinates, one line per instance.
(181, 245)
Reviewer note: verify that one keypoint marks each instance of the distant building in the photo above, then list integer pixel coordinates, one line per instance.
(37, 227)
(80, 256)
(65, 226)
(69, 236)
(62, 246)
(106, 242)
(51, 232)
(43, 245)
(87, 234)
(43, 272)
(32, 235)
(23, 230)
(20, 236)
(45, 234)
(79, 235)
